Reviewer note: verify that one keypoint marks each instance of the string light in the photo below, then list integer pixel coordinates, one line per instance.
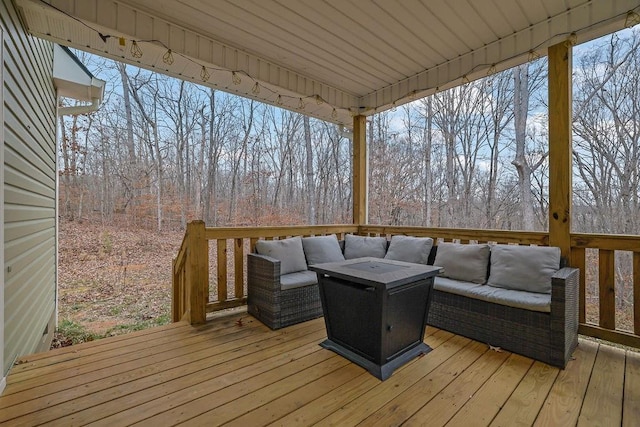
(256, 89)
(167, 58)
(122, 43)
(279, 100)
(492, 70)
(319, 100)
(334, 114)
(301, 104)
(632, 19)
(136, 52)
(235, 78)
(204, 74)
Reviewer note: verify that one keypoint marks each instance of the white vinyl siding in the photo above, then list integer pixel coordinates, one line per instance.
(29, 188)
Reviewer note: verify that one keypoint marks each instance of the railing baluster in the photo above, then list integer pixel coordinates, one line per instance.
(607, 289)
(222, 270)
(636, 293)
(578, 260)
(238, 254)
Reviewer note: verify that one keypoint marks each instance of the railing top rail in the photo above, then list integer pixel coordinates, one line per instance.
(526, 237)
(181, 256)
(605, 241)
(296, 230)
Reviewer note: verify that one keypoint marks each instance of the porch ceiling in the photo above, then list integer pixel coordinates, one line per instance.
(331, 59)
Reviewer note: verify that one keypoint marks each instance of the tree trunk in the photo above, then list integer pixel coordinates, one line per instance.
(428, 143)
(311, 197)
(521, 110)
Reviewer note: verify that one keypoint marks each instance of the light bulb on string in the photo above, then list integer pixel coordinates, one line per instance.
(279, 100)
(256, 89)
(492, 70)
(204, 74)
(319, 100)
(301, 104)
(235, 78)
(334, 114)
(632, 19)
(167, 58)
(136, 52)
(533, 55)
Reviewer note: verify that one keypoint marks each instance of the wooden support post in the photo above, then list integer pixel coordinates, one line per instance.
(560, 169)
(197, 271)
(360, 172)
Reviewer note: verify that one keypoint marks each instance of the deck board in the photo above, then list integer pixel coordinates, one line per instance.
(631, 409)
(603, 400)
(235, 373)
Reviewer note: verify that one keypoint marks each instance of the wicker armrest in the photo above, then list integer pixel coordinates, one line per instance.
(564, 292)
(564, 313)
(263, 271)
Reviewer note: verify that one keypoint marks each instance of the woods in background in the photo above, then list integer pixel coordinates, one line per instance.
(161, 151)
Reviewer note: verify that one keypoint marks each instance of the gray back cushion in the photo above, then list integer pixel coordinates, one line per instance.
(463, 262)
(409, 249)
(288, 251)
(524, 268)
(361, 246)
(320, 249)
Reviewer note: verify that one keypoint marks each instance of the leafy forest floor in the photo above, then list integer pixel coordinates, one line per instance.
(112, 280)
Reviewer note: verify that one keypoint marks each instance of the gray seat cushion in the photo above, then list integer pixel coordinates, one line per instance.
(409, 249)
(524, 268)
(468, 263)
(288, 251)
(361, 246)
(509, 297)
(298, 279)
(321, 249)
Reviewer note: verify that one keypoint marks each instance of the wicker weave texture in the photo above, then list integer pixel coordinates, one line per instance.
(548, 337)
(273, 306)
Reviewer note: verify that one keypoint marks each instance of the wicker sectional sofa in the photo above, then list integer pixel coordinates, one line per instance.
(512, 297)
(542, 325)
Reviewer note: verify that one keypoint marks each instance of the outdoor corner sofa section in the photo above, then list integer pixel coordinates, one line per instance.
(508, 296)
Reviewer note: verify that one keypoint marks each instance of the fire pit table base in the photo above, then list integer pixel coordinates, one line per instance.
(382, 372)
(375, 311)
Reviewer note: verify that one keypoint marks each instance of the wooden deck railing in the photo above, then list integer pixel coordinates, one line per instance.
(202, 285)
(609, 286)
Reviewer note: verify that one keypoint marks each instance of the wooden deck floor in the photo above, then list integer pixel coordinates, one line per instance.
(235, 371)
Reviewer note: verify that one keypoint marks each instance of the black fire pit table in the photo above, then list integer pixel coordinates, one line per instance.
(375, 310)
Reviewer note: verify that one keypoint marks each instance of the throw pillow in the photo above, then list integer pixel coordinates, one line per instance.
(409, 249)
(463, 262)
(288, 251)
(361, 246)
(524, 268)
(320, 249)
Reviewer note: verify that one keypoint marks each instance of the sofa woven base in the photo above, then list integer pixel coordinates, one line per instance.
(273, 306)
(548, 337)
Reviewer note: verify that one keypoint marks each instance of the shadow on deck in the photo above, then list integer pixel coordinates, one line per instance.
(235, 371)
